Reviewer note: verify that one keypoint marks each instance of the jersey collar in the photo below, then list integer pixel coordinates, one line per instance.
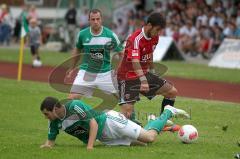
(145, 36)
(96, 34)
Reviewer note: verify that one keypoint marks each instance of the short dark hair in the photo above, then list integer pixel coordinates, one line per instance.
(49, 103)
(94, 11)
(156, 19)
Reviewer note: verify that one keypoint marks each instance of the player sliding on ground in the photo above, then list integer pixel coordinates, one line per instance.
(111, 128)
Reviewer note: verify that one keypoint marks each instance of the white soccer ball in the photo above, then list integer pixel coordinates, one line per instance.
(188, 134)
(37, 63)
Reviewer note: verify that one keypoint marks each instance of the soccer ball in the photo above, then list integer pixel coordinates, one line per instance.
(188, 134)
(37, 63)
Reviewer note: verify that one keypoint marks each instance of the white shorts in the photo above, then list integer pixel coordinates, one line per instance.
(119, 130)
(86, 82)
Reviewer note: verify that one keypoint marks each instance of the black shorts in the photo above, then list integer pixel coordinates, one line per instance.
(34, 48)
(129, 90)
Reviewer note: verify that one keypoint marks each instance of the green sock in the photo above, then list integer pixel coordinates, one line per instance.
(160, 122)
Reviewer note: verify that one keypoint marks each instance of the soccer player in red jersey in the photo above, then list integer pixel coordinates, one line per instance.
(136, 71)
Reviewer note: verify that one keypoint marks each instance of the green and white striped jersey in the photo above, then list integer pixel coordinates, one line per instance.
(97, 48)
(76, 121)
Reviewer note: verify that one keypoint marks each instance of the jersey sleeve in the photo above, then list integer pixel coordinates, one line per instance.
(83, 111)
(79, 40)
(132, 49)
(53, 131)
(116, 42)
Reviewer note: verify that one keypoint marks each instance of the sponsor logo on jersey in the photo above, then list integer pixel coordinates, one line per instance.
(135, 53)
(97, 54)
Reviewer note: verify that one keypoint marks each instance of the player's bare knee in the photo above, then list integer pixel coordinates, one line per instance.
(151, 138)
(172, 93)
(74, 96)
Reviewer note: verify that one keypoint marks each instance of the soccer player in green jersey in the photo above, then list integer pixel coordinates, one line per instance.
(111, 128)
(94, 44)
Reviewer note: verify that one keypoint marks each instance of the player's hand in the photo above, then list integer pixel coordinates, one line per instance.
(69, 76)
(144, 86)
(46, 146)
(89, 148)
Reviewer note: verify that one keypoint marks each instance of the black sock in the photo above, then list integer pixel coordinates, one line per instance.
(167, 101)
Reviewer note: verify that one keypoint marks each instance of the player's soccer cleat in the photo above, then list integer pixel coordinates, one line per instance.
(177, 112)
(173, 128)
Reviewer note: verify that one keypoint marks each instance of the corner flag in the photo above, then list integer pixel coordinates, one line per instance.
(24, 31)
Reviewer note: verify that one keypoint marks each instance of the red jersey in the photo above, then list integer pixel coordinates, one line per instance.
(138, 46)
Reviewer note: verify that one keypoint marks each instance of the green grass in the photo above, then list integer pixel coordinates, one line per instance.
(23, 129)
(199, 71)
(176, 68)
(51, 58)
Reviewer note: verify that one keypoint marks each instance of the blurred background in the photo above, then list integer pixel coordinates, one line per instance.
(197, 28)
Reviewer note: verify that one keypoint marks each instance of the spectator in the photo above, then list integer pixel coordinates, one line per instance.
(32, 14)
(17, 28)
(70, 18)
(83, 19)
(238, 19)
(6, 25)
(218, 37)
(187, 41)
(34, 41)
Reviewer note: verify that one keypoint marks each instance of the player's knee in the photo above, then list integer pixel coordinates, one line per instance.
(127, 109)
(172, 93)
(74, 96)
(151, 138)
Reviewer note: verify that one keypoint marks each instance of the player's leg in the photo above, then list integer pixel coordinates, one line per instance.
(159, 86)
(128, 95)
(153, 127)
(33, 52)
(37, 52)
(169, 92)
(81, 87)
(127, 109)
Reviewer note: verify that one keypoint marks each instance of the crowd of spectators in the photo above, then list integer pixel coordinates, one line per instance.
(10, 27)
(197, 26)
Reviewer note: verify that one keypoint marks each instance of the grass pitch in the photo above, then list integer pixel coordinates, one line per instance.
(23, 129)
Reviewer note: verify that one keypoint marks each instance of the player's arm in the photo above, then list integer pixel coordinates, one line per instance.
(138, 70)
(48, 144)
(75, 55)
(92, 133)
(118, 51)
(86, 113)
(52, 134)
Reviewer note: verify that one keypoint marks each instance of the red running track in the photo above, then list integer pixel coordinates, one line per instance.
(203, 89)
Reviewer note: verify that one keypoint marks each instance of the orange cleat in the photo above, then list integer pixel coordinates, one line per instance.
(172, 128)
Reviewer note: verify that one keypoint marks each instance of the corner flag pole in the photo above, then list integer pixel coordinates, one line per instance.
(20, 61)
(24, 31)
